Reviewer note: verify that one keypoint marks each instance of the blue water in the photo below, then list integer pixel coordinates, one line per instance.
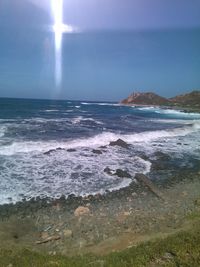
(36, 135)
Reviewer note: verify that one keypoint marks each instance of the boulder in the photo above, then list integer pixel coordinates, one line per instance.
(96, 151)
(71, 150)
(108, 171)
(122, 174)
(120, 143)
(53, 150)
(162, 156)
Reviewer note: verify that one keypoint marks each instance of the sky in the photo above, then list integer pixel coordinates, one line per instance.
(122, 46)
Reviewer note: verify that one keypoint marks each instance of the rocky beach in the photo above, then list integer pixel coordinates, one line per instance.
(150, 180)
(101, 224)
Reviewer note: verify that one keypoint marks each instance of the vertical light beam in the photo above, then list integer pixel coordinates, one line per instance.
(57, 8)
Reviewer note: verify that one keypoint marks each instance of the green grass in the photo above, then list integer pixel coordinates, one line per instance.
(181, 249)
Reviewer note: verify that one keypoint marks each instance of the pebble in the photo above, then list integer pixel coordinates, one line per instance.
(80, 211)
(67, 233)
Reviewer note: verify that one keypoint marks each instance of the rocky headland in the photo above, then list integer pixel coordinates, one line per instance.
(187, 101)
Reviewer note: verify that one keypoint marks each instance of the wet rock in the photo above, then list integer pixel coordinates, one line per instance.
(49, 152)
(162, 156)
(96, 151)
(122, 174)
(120, 143)
(157, 166)
(71, 150)
(53, 150)
(103, 147)
(108, 171)
(143, 156)
(81, 211)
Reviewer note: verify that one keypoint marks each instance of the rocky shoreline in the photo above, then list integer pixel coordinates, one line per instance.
(101, 223)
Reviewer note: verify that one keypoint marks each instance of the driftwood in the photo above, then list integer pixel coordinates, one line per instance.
(48, 239)
(145, 180)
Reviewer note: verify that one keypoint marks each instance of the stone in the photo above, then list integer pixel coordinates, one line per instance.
(67, 233)
(120, 143)
(96, 151)
(162, 156)
(49, 152)
(122, 174)
(53, 150)
(44, 235)
(81, 211)
(108, 171)
(71, 150)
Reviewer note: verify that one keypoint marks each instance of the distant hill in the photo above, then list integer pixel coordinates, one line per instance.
(191, 100)
(145, 99)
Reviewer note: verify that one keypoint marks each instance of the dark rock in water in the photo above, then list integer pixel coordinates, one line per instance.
(122, 174)
(96, 151)
(108, 171)
(103, 147)
(120, 143)
(158, 166)
(59, 148)
(162, 156)
(53, 150)
(49, 152)
(144, 156)
(71, 150)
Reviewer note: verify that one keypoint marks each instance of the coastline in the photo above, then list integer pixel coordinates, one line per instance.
(107, 223)
(159, 207)
(186, 109)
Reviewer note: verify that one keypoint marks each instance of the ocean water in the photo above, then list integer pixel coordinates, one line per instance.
(46, 147)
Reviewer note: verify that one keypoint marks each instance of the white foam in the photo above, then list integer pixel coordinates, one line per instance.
(51, 110)
(78, 120)
(178, 113)
(101, 104)
(170, 112)
(98, 140)
(63, 173)
(149, 108)
(3, 130)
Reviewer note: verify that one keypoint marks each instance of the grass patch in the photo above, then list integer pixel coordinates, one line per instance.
(181, 249)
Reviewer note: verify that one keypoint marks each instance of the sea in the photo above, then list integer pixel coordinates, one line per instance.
(50, 148)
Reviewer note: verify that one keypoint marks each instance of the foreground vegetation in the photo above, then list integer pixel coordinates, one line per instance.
(180, 249)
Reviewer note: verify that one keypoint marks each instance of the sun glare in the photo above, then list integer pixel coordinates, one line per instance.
(57, 10)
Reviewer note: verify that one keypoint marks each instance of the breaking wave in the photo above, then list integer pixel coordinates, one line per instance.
(99, 140)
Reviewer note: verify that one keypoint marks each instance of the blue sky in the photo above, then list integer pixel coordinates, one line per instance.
(161, 52)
